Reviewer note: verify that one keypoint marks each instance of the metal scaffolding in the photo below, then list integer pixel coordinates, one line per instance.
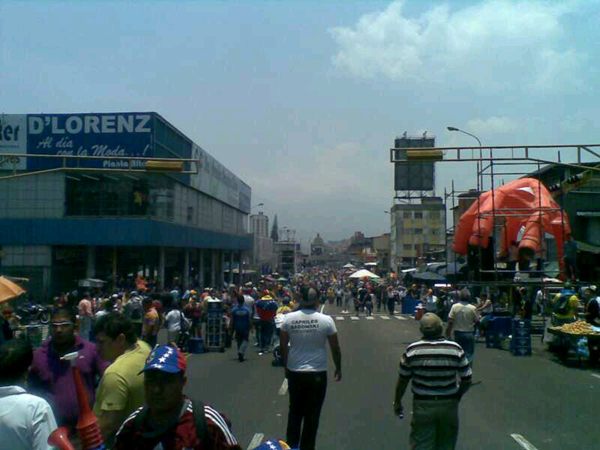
(497, 162)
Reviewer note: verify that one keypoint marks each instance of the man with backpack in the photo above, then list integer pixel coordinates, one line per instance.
(565, 306)
(170, 420)
(176, 324)
(134, 311)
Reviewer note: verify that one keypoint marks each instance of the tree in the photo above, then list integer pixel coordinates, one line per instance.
(275, 230)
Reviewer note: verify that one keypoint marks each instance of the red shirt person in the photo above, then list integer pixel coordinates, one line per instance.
(170, 420)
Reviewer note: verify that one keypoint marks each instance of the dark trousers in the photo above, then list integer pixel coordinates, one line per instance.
(391, 304)
(241, 338)
(307, 393)
(266, 334)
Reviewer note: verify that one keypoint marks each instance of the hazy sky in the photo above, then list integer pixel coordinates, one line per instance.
(302, 99)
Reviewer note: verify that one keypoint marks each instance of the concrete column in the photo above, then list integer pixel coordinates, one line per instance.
(186, 269)
(240, 268)
(221, 268)
(213, 268)
(90, 268)
(114, 267)
(47, 282)
(161, 267)
(201, 269)
(230, 267)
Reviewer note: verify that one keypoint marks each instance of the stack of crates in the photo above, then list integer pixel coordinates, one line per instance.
(520, 344)
(214, 332)
(498, 330)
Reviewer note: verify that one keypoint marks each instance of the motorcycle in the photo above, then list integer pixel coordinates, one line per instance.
(32, 313)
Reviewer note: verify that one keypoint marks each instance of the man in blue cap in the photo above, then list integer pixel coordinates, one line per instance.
(170, 420)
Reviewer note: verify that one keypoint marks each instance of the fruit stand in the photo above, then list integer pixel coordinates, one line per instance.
(574, 337)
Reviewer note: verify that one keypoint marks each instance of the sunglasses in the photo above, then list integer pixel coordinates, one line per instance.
(61, 324)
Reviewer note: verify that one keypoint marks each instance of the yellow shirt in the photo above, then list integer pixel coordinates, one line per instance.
(122, 386)
(284, 310)
(573, 306)
(151, 324)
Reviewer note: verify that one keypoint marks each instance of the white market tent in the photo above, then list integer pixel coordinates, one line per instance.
(363, 273)
(348, 266)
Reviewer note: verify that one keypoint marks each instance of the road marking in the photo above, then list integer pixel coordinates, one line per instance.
(385, 317)
(370, 318)
(596, 375)
(523, 442)
(354, 318)
(400, 318)
(284, 387)
(256, 440)
(339, 318)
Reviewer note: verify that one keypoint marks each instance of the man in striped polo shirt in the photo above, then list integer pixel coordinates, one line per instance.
(440, 374)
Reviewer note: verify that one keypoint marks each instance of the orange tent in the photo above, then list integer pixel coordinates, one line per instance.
(523, 203)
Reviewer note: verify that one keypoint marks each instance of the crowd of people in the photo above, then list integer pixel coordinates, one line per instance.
(116, 336)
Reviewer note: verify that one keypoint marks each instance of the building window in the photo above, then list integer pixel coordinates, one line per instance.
(418, 215)
(435, 214)
(418, 231)
(190, 214)
(407, 247)
(407, 215)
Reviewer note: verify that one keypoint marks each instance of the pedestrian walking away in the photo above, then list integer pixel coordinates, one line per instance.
(85, 317)
(307, 332)
(462, 319)
(241, 317)
(441, 375)
(151, 324)
(176, 324)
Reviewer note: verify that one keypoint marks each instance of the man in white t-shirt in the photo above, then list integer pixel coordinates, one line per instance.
(26, 421)
(462, 319)
(307, 333)
(175, 321)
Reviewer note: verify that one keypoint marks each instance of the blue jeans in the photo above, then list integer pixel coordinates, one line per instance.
(466, 339)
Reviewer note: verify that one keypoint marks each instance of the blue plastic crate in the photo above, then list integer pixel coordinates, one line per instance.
(521, 351)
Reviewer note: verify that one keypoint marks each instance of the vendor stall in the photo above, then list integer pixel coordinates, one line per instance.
(573, 339)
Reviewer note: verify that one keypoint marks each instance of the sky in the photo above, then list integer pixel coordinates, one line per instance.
(303, 99)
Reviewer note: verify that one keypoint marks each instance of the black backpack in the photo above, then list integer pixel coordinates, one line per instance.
(199, 421)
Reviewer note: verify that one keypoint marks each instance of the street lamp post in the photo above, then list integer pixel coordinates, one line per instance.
(479, 181)
(465, 132)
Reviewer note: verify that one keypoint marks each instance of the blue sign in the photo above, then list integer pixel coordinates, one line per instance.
(97, 135)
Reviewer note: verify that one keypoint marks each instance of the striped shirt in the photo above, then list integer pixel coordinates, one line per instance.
(435, 367)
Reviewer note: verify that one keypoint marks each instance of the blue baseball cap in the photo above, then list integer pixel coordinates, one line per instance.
(166, 359)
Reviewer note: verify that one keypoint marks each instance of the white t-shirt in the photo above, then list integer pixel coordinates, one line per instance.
(431, 303)
(249, 302)
(26, 421)
(464, 316)
(173, 320)
(308, 331)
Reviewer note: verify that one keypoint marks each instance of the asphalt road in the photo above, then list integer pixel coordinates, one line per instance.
(550, 406)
